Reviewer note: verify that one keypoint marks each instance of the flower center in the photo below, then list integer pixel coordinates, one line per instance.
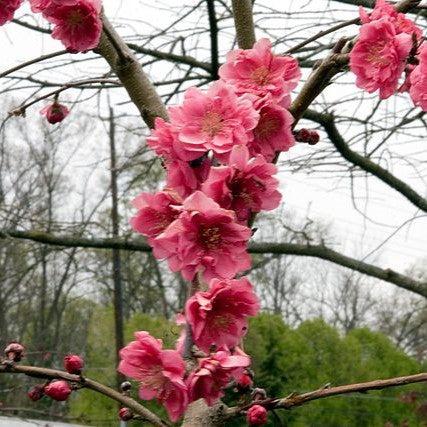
(376, 56)
(266, 127)
(75, 18)
(210, 237)
(222, 322)
(153, 378)
(240, 191)
(261, 75)
(211, 123)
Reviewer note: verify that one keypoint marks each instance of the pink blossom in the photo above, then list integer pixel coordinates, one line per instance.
(273, 133)
(77, 23)
(259, 72)
(8, 9)
(73, 363)
(155, 212)
(257, 415)
(205, 238)
(214, 120)
(159, 372)
(214, 373)
(379, 57)
(43, 5)
(164, 140)
(218, 317)
(418, 79)
(245, 185)
(58, 390)
(401, 23)
(186, 177)
(55, 112)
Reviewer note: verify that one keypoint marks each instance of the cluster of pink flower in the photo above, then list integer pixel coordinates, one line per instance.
(77, 23)
(217, 150)
(389, 45)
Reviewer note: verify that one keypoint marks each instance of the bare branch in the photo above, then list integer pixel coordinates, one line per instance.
(300, 399)
(328, 123)
(51, 374)
(316, 251)
(124, 63)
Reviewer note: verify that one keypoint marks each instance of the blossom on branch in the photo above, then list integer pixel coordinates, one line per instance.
(218, 317)
(214, 373)
(418, 80)
(259, 72)
(187, 177)
(155, 212)
(55, 112)
(204, 238)
(76, 23)
(379, 57)
(159, 372)
(214, 120)
(401, 23)
(8, 9)
(273, 132)
(245, 185)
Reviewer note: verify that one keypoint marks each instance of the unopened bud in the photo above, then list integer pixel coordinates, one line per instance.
(259, 394)
(125, 414)
(36, 393)
(73, 364)
(125, 386)
(58, 390)
(14, 351)
(257, 415)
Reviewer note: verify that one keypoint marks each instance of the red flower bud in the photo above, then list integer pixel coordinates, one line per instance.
(125, 414)
(307, 135)
(14, 351)
(314, 138)
(55, 112)
(257, 415)
(36, 393)
(73, 364)
(245, 381)
(58, 390)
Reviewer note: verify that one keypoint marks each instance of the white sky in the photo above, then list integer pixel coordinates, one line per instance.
(325, 199)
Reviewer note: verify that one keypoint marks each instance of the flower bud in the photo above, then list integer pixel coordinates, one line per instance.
(36, 393)
(125, 386)
(55, 112)
(14, 351)
(257, 415)
(125, 414)
(58, 390)
(244, 381)
(73, 364)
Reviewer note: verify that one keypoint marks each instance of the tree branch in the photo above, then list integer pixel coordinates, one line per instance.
(51, 374)
(300, 399)
(244, 23)
(127, 68)
(328, 123)
(316, 251)
(213, 32)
